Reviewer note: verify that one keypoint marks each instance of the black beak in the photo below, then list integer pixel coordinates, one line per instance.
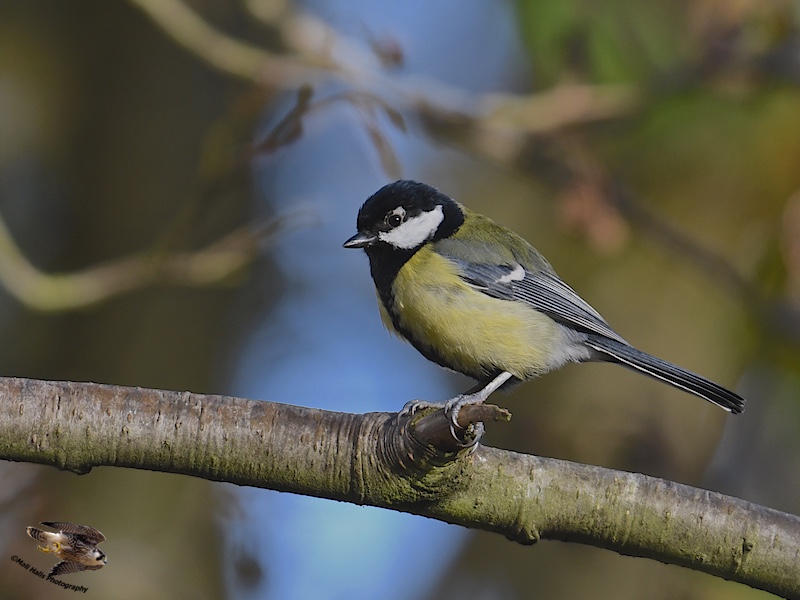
(360, 240)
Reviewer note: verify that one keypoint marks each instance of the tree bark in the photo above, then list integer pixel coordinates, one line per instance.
(403, 463)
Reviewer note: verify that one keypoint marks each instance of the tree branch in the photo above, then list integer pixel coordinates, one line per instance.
(308, 59)
(62, 292)
(224, 53)
(383, 460)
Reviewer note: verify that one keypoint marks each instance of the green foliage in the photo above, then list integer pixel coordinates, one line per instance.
(616, 41)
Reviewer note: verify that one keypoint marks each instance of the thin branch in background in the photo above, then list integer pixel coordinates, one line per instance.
(290, 127)
(563, 106)
(779, 317)
(309, 59)
(222, 52)
(367, 106)
(60, 292)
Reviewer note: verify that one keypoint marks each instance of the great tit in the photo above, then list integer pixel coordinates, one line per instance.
(474, 297)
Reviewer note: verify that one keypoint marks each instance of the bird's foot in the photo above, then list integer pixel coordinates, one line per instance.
(451, 409)
(453, 406)
(52, 547)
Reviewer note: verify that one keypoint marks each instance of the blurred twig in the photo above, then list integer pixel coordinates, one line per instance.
(309, 57)
(779, 317)
(215, 264)
(225, 53)
(62, 292)
(369, 106)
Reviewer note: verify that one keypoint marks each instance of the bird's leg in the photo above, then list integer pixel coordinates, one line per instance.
(453, 406)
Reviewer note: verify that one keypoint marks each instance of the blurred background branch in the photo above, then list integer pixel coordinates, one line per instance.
(222, 52)
(213, 265)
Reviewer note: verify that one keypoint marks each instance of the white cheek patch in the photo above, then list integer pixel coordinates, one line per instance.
(415, 231)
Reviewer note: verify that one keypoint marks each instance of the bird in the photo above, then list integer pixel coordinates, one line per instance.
(75, 545)
(476, 298)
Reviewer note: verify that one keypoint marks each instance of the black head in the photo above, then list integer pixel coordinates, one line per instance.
(403, 216)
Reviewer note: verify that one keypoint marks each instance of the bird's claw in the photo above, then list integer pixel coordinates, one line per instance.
(51, 547)
(412, 407)
(451, 409)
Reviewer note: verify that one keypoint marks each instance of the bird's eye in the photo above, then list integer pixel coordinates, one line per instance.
(395, 218)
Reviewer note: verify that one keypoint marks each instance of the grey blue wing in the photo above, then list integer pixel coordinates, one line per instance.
(543, 291)
(89, 533)
(548, 294)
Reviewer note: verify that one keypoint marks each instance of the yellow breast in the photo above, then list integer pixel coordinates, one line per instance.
(469, 331)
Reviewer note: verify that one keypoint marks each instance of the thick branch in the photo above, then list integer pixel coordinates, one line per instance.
(378, 459)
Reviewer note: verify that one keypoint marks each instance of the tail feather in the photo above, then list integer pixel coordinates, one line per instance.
(629, 356)
(36, 534)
